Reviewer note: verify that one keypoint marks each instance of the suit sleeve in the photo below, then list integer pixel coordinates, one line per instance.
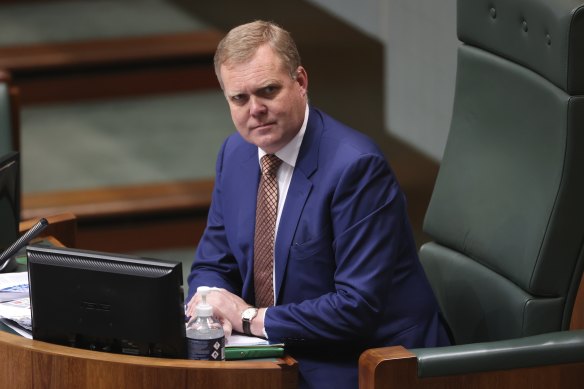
(214, 264)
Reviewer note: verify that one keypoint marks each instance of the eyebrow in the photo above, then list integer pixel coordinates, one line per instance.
(270, 83)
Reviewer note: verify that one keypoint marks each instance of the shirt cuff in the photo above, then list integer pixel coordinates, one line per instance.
(264, 329)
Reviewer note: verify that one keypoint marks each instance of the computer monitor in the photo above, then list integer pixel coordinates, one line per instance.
(107, 302)
(9, 199)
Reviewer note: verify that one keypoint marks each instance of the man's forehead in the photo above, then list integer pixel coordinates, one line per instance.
(263, 53)
(236, 78)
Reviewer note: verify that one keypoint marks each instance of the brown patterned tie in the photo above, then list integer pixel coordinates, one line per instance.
(266, 213)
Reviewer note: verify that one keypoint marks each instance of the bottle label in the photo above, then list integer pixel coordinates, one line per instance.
(206, 349)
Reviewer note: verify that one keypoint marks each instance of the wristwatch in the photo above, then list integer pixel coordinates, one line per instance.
(246, 317)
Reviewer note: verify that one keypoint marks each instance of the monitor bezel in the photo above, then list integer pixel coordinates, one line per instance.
(81, 298)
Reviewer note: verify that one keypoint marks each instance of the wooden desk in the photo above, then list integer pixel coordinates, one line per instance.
(31, 364)
(34, 364)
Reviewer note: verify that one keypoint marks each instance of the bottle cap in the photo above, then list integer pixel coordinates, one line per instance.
(203, 309)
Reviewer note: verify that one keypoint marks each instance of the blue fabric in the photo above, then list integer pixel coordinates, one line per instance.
(346, 268)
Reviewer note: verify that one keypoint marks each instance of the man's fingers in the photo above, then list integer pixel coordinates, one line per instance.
(227, 327)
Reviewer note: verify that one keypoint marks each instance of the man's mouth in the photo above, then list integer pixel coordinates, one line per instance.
(262, 126)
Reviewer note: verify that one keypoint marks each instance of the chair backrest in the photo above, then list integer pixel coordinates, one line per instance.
(507, 210)
(9, 139)
(5, 123)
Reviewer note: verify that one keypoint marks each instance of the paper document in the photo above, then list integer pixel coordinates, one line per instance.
(13, 286)
(16, 327)
(16, 315)
(15, 303)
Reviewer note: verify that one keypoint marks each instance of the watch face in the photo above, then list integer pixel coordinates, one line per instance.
(249, 313)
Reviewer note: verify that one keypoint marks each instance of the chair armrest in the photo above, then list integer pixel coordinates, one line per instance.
(553, 360)
(538, 350)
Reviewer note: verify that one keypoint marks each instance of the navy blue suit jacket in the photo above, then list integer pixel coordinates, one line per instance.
(347, 275)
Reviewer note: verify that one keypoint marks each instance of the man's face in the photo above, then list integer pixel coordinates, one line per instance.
(267, 105)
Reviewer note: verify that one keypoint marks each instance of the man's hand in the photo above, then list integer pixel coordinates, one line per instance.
(227, 307)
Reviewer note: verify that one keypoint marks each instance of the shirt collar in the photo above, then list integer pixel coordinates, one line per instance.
(289, 153)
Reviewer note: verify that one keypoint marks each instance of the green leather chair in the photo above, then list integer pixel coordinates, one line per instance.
(9, 139)
(507, 211)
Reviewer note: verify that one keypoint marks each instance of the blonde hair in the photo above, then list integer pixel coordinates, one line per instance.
(241, 43)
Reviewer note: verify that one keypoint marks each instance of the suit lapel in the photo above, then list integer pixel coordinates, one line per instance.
(300, 187)
(247, 175)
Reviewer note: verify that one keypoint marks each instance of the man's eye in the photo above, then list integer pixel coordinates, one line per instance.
(270, 90)
(238, 99)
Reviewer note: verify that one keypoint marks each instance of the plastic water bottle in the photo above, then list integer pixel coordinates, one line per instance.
(205, 336)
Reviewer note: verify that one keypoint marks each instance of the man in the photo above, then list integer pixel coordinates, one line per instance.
(345, 273)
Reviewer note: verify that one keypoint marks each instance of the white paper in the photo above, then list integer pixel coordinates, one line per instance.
(15, 302)
(238, 340)
(16, 315)
(17, 328)
(13, 286)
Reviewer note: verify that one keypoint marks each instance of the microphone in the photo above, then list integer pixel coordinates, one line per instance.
(7, 262)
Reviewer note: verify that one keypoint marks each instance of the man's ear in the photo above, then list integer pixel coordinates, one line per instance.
(302, 79)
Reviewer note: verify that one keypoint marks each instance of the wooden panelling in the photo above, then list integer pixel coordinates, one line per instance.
(62, 227)
(122, 219)
(123, 234)
(103, 52)
(577, 322)
(110, 68)
(122, 81)
(132, 200)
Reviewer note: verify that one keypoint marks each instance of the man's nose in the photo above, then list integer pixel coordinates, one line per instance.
(257, 106)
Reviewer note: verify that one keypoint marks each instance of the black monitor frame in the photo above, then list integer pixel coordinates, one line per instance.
(9, 198)
(107, 302)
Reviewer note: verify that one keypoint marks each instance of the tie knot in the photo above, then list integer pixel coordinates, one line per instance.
(270, 164)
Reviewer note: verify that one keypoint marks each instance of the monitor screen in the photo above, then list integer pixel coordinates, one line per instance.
(106, 302)
(9, 199)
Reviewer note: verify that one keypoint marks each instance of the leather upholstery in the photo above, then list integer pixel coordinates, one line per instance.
(5, 124)
(507, 211)
(539, 350)
(544, 36)
(480, 305)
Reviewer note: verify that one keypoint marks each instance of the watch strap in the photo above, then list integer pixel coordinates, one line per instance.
(246, 321)
(247, 327)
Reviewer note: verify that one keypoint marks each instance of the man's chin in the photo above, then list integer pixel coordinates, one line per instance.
(270, 146)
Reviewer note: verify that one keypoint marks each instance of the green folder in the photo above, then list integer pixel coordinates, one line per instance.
(232, 353)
